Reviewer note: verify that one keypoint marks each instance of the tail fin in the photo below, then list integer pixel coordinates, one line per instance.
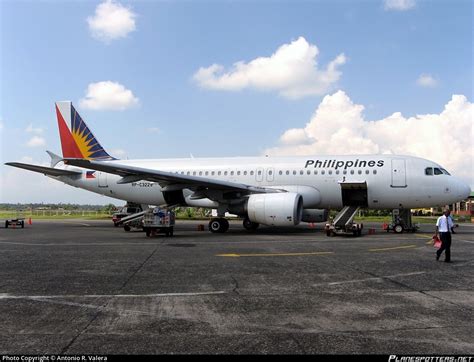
(77, 141)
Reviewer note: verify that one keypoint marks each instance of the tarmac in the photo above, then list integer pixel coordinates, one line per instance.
(85, 287)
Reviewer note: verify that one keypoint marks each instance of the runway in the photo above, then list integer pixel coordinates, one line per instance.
(75, 286)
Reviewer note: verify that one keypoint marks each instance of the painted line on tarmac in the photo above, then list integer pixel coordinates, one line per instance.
(74, 244)
(191, 294)
(274, 254)
(370, 279)
(395, 248)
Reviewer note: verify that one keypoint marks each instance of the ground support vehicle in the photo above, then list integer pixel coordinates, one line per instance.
(158, 220)
(343, 223)
(401, 222)
(15, 222)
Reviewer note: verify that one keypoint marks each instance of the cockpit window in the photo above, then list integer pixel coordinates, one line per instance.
(445, 172)
(437, 171)
(429, 171)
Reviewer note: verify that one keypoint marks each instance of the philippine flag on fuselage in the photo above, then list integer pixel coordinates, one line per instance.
(90, 174)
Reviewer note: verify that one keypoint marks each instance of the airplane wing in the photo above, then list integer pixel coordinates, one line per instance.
(169, 181)
(44, 170)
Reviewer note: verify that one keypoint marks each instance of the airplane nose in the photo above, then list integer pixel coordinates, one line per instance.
(465, 190)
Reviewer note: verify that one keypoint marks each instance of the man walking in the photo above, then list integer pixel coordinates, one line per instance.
(444, 226)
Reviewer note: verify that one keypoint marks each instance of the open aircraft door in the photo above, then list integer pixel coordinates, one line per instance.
(398, 173)
(354, 193)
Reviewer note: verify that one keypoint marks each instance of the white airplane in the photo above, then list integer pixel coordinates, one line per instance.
(277, 191)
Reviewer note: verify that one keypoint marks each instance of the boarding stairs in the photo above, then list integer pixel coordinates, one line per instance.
(343, 223)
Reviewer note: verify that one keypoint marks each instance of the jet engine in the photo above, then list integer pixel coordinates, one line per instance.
(315, 215)
(278, 209)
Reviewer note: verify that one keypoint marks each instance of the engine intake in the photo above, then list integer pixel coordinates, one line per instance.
(279, 209)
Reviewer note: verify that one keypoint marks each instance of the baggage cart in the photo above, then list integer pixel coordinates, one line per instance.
(158, 220)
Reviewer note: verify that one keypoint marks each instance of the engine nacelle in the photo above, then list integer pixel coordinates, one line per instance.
(315, 215)
(278, 209)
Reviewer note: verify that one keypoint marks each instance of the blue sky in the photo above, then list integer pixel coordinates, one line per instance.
(399, 56)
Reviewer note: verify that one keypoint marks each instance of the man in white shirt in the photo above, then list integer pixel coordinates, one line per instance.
(444, 224)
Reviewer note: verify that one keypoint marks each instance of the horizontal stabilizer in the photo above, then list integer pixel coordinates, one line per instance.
(44, 170)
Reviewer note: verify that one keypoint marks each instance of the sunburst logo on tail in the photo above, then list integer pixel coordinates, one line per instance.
(77, 140)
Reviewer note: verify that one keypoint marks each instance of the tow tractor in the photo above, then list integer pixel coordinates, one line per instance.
(158, 220)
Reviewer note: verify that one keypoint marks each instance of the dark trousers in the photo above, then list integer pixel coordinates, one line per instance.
(445, 245)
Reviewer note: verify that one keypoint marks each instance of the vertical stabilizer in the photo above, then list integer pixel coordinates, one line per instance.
(77, 141)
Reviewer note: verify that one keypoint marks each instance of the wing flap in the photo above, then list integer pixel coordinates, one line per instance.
(50, 171)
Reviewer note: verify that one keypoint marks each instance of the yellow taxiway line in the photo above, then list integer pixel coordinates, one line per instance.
(395, 248)
(275, 254)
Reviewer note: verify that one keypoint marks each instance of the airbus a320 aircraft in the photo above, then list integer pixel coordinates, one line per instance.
(263, 190)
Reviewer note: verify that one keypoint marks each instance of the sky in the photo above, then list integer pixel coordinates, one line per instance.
(165, 79)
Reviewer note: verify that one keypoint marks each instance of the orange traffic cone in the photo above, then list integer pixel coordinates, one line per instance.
(29, 221)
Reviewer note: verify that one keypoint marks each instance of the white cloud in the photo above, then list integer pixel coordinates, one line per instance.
(31, 129)
(111, 21)
(426, 80)
(338, 127)
(108, 95)
(36, 141)
(400, 5)
(292, 71)
(153, 130)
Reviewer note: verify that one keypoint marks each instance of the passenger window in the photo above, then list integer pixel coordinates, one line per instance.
(270, 172)
(225, 173)
(238, 173)
(429, 171)
(344, 172)
(301, 172)
(367, 172)
(200, 173)
(352, 172)
(308, 172)
(245, 173)
(194, 173)
(315, 172)
(359, 172)
(187, 173)
(287, 172)
(232, 173)
(294, 172)
(337, 172)
(207, 173)
(375, 172)
(251, 173)
(218, 173)
(280, 172)
(213, 173)
(437, 171)
(259, 173)
(330, 172)
(323, 172)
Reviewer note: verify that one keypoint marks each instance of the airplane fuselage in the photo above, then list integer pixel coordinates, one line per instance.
(389, 181)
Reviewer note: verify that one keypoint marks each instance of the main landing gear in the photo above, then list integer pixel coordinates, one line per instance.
(218, 225)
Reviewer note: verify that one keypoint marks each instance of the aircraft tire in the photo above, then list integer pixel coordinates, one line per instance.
(126, 228)
(219, 225)
(398, 228)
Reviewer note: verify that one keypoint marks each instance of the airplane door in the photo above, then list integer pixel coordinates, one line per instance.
(259, 174)
(102, 179)
(398, 173)
(270, 172)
